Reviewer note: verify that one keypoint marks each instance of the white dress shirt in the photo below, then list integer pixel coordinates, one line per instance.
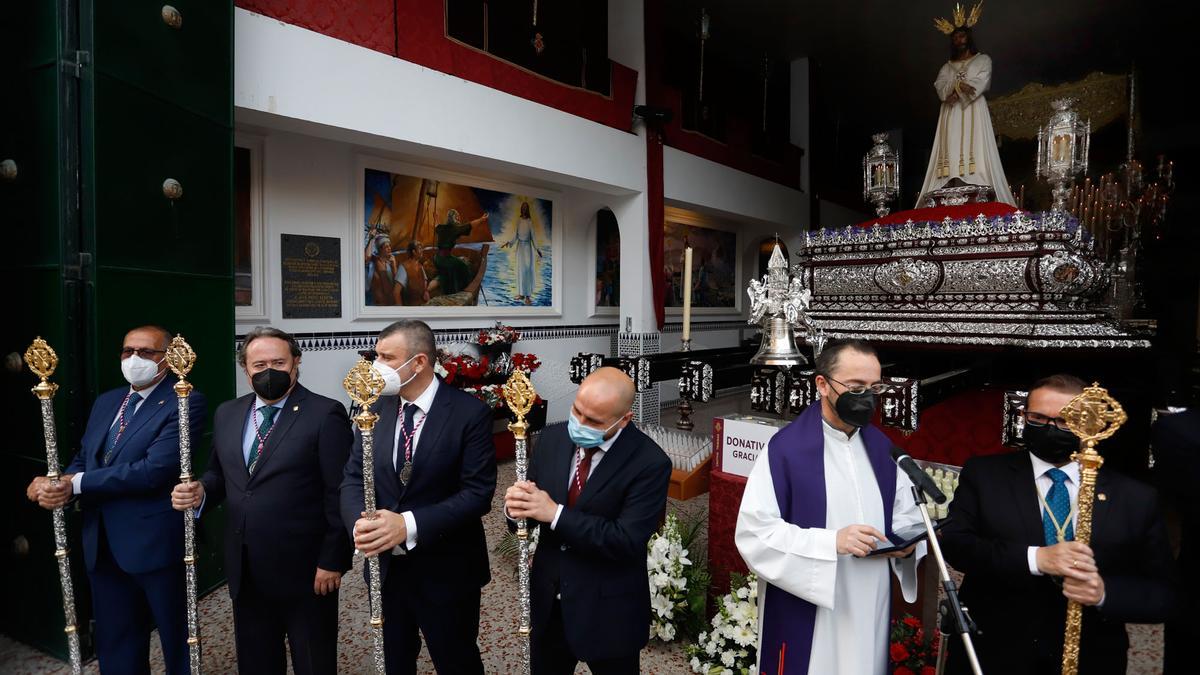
(1044, 483)
(77, 479)
(597, 456)
(424, 403)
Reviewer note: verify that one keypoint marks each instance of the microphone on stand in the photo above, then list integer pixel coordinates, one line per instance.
(918, 477)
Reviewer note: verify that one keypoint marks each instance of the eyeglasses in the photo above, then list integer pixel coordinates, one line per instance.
(877, 388)
(144, 352)
(1040, 420)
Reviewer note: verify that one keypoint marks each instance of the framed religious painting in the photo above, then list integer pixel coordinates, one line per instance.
(436, 244)
(716, 264)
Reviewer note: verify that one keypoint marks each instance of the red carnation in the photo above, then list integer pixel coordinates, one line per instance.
(903, 670)
(899, 654)
(912, 622)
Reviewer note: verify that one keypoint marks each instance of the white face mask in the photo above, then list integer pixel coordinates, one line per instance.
(138, 371)
(392, 384)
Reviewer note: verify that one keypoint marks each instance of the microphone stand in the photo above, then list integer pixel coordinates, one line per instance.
(951, 607)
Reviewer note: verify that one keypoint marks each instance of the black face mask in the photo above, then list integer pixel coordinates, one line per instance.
(271, 384)
(856, 409)
(1049, 443)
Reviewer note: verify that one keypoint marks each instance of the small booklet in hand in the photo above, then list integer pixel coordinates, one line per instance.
(900, 543)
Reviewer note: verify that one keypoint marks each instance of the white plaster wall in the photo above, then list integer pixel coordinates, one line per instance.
(699, 184)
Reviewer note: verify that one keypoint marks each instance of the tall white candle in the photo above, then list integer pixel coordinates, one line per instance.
(687, 293)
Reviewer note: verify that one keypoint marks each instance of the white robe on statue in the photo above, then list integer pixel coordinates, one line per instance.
(964, 146)
(852, 595)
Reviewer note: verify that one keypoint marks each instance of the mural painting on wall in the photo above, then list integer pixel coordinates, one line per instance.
(435, 243)
(608, 260)
(714, 266)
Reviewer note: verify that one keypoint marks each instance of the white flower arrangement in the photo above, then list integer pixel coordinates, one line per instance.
(731, 647)
(666, 559)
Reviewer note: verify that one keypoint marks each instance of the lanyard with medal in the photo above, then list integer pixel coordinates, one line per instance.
(262, 440)
(409, 440)
(121, 421)
(1059, 528)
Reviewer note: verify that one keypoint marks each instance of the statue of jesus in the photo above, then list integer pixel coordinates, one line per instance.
(964, 147)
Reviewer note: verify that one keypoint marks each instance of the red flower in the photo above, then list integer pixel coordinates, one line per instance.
(899, 654)
(928, 670)
(912, 622)
(903, 670)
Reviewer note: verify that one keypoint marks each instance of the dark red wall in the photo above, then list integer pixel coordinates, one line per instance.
(415, 30)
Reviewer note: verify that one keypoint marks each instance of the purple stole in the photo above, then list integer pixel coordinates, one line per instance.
(797, 458)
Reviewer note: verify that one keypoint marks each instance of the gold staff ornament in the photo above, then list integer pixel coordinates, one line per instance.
(42, 360)
(520, 395)
(364, 384)
(181, 358)
(1093, 416)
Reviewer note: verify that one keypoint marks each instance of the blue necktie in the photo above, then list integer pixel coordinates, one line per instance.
(118, 427)
(1059, 502)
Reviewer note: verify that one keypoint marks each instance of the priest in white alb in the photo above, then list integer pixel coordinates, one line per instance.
(964, 147)
(821, 497)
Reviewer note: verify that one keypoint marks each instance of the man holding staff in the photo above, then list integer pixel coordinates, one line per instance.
(1012, 533)
(435, 475)
(132, 541)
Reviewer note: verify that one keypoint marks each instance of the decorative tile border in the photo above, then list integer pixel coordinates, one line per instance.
(360, 340)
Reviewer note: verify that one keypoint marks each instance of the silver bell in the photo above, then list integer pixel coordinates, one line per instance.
(778, 345)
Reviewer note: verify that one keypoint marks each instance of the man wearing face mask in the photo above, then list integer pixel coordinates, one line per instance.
(435, 476)
(277, 460)
(820, 498)
(132, 541)
(1012, 530)
(596, 489)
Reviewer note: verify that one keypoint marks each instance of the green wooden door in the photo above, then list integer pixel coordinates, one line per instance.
(161, 107)
(95, 247)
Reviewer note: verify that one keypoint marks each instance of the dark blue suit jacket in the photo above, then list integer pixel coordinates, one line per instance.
(453, 482)
(596, 557)
(283, 521)
(132, 495)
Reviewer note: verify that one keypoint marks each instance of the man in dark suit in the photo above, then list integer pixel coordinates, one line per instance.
(1177, 451)
(277, 459)
(1011, 532)
(435, 475)
(132, 540)
(597, 490)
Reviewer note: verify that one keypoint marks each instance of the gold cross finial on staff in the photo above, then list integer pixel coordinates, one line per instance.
(42, 360)
(364, 384)
(1094, 415)
(519, 393)
(180, 357)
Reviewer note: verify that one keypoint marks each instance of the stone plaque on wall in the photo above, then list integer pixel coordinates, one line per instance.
(311, 272)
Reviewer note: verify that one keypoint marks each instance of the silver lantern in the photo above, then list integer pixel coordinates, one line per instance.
(1062, 150)
(881, 174)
